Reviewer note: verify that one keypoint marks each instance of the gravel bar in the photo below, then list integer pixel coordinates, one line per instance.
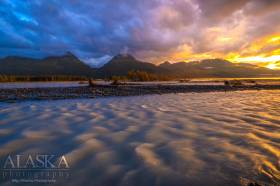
(21, 94)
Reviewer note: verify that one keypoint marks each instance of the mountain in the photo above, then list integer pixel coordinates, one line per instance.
(121, 64)
(67, 64)
(216, 68)
(166, 64)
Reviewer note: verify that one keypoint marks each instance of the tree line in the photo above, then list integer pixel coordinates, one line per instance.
(134, 75)
(137, 75)
(11, 78)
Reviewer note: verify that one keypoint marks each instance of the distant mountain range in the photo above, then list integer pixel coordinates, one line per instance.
(67, 64)
(120, 65)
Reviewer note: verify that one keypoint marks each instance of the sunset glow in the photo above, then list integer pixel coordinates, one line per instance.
(140, 92)
(272, 66)
(257, 59)
(154, 31)
(264, 52)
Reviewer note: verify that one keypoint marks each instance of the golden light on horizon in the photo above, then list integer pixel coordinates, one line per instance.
(272, 66)
(264, 52)
(256, 59)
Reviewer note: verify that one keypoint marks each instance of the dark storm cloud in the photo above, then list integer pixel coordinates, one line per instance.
(217, 10)
(98, 29)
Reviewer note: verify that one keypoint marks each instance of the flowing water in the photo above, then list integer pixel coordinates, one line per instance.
(174, 139)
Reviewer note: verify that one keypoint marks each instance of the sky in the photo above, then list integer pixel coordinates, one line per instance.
(152, 30)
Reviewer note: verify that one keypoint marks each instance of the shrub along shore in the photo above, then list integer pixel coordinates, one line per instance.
(95, 91)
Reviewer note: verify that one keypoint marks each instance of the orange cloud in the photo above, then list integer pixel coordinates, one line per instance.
(264, 52)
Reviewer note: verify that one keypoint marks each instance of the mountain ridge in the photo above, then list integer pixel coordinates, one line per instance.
(67, 64)
(121, 64)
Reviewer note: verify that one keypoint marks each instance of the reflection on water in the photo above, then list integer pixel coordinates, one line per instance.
(40, 84)
(175, 139)
(199, 81)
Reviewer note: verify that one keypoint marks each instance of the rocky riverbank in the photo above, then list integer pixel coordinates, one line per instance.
(20, 94)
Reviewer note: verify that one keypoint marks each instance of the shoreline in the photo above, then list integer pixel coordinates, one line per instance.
(97, 91)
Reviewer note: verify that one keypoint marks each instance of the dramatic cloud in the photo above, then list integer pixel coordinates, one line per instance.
(153, 30)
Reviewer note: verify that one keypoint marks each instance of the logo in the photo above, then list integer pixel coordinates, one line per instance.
(39, 168)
